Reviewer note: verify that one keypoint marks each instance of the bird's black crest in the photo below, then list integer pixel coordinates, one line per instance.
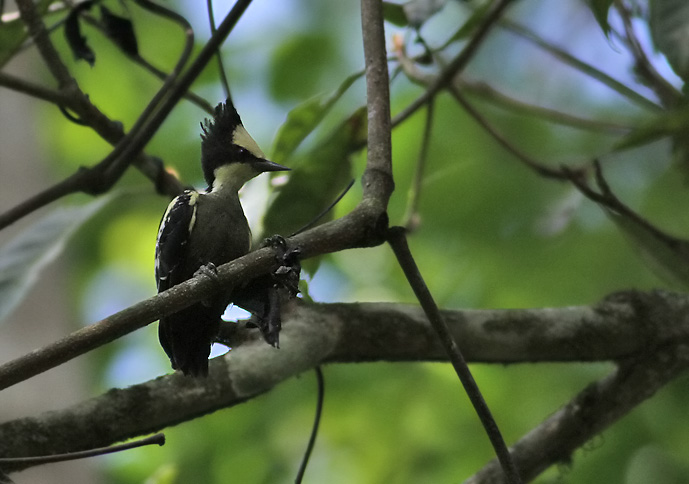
(216, 136)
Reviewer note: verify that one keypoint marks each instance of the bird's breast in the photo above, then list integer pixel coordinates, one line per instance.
(221, 231)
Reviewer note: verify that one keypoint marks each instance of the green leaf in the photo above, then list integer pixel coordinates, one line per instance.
(394, 13)
(299, 66)
(600, 9)
(23, 258)
(669, 25)
(318, 180)
(303, 119)
(13, 34)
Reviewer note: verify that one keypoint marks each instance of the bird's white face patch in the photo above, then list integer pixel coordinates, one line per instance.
(241, 137)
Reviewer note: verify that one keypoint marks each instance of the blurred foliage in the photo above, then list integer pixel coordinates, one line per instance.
(493, 235)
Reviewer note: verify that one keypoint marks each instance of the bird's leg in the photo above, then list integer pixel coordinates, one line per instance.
(288, 273)
(284, 279)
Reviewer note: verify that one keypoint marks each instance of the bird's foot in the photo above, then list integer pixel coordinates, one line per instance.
(289, 271)
(209, 270)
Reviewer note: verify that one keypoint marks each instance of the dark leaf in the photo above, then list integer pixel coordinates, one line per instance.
(76, 41)
(394, 13)
(120, 30)
(600, 9)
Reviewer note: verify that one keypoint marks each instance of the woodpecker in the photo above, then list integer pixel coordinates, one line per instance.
(204, 229)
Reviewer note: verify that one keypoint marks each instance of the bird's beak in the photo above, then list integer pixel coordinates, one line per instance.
(265, 165)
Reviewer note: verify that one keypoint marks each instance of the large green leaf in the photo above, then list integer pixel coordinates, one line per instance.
(318, 180)
(304, 118)
(23, 258)
(669, 24)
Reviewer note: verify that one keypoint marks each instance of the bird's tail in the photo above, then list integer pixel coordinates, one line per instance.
(187, 336)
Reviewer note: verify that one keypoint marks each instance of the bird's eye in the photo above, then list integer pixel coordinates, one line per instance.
(242, 151)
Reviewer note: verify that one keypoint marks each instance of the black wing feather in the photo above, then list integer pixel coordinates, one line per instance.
(172, 244)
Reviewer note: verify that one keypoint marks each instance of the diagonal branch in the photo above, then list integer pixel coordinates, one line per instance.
(593, 410)
(359, 228)
(398, 241)
(102, 176)
(458, 64)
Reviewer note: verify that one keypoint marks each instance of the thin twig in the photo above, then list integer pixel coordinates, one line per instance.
(411, 218)
(39, 33)
(492, 95)
(457, 65)
(666, 92)
(221, 68)
(579, 65)
(532, 163)
(397, 239)
(117, 161)
(157, 439)
(320, 383)
(116, 164)
(35, 90)
(102, 176)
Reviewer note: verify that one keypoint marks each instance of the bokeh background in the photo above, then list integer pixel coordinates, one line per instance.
(492, 234)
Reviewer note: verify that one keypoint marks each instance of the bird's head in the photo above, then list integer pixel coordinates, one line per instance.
(229, 155)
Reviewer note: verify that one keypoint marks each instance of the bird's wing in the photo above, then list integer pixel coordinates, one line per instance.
(173, 238)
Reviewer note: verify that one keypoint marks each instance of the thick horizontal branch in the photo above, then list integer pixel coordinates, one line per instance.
(622, 326)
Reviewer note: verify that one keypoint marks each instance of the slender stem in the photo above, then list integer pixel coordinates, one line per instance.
(143, 136)
(157, 439)
(218, 55)
(35, 90)
(532, 163)
(579, 65)
(119, 159)
(39, 33)
(458, 64)
(100, 178)
(411, 218)
(667, 93)
(398, 242)
(320, 383)
(492, 95)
